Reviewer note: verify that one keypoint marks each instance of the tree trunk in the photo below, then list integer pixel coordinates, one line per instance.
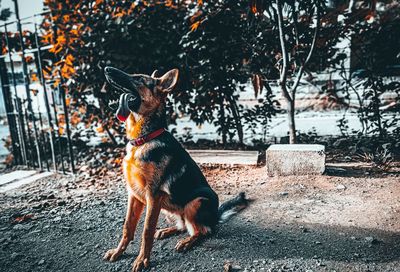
(222, 120)
(110, 135)
(236, 116)
(291, 121)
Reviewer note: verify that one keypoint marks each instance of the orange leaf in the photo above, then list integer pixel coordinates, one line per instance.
(56, 82)
(254, 9)
(69, 60)
(194, 26)
(119, 14)
(168, 3)
(28, 59)
(34, 77)
(100, 129)
(67, 101)
(23, 218)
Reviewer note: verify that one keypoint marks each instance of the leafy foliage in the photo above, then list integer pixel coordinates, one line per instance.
(375, 53)
(134, 36)
(211, 53)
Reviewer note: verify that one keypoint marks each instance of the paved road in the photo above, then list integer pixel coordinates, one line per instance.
(322, 123)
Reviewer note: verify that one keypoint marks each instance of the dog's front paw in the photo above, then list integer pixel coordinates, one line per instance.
(139, 263)
(112, 255)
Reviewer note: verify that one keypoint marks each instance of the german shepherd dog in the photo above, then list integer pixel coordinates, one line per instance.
(160, 175)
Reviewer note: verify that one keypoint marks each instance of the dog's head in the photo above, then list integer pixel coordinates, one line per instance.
(141, 94)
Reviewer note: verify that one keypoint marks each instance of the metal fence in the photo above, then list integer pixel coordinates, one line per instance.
(33, 112)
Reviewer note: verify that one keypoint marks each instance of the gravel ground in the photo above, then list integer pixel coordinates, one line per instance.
(348, 220)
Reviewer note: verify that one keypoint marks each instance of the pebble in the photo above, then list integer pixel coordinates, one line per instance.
(341, 187)
(22, 227)
(61, 203)
(283, 193)
(371, 240)
(41, 262)
(15, 256)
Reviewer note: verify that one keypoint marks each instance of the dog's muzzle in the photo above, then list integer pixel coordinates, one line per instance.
(129, 100)
(127, 103)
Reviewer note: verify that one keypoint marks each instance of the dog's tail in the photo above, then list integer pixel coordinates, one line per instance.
(232, 207)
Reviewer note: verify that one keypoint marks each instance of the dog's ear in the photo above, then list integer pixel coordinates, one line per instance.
(154, 74)
(169, 80)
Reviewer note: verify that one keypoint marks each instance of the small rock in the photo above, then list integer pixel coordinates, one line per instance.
(37, 207)
(41, 262)
(304, 229)
(283, 193)
(14, 256)
(341, 187)
(371, 240)
(227, 267)
(51, 196)
(84, 253)
(22, 227)
(61, 203)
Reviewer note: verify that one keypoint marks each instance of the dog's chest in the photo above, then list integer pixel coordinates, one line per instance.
(139, 175)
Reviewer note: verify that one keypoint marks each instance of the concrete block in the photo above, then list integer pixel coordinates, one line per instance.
(295, 159)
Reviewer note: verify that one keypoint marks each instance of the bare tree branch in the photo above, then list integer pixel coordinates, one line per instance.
(294, 18)
(310, 53)
(284, 70)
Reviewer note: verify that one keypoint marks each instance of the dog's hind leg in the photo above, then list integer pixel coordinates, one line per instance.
(134, 210)
(195, 211)
(168, 232)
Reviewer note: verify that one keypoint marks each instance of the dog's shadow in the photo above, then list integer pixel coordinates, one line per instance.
(243, 241)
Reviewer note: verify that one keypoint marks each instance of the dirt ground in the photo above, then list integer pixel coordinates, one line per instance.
(346, 220)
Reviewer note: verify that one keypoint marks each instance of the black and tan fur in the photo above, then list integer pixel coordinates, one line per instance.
(160, 175)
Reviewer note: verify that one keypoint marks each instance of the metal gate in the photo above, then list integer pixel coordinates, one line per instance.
(33, 109)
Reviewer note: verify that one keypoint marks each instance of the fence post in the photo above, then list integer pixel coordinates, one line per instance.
(21, 132)
(46, 99)
(27, 81)
(65, 109)
(58, 132)
(5, 84)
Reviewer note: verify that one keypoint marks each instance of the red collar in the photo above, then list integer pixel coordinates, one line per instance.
(144, 139)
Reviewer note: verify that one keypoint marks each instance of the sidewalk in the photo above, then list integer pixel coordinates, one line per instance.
(18, 178)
